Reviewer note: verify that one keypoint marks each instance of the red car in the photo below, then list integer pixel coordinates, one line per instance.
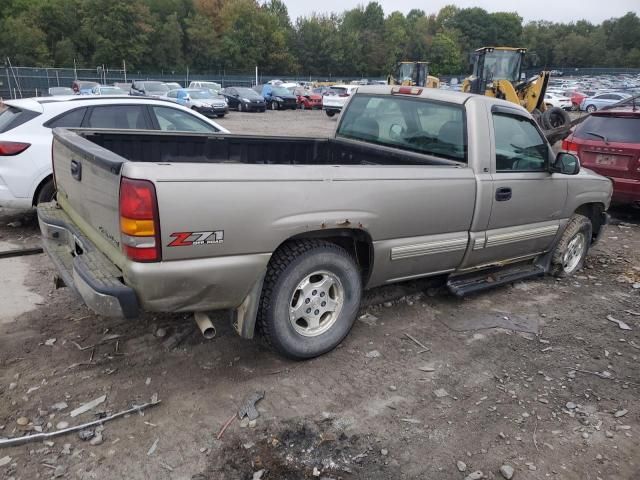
(310, 101)
(608, 142)
(577, 98)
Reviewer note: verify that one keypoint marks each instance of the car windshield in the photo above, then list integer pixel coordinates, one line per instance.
(280, 91)
(201, 94)
(156, 87)
(247, 92)
(623, 129)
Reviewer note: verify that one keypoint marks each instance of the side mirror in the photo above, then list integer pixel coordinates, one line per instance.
(566, 163)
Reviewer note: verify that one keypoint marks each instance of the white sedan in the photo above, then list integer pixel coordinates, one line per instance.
(555, 100)
(26, 178)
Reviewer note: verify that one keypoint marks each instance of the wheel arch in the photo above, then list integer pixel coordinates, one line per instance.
(38, 189)
(595, 212)
(357, 242)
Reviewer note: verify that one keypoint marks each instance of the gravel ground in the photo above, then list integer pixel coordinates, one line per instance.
(533, 376)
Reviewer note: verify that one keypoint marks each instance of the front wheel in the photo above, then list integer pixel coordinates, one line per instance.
(241, 107)
(571, 251)
(330, 113)
(274, 106)
(310, 298)
(591, 108)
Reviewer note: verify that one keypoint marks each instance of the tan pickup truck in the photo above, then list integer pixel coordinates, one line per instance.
(286, 232)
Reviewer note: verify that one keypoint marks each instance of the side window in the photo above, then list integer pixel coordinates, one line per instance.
(172, 119)
(72, 119)
(117, 116)
(519, 145)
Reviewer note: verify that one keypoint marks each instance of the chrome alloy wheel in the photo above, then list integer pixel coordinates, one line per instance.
(316, 303)
(574, 253)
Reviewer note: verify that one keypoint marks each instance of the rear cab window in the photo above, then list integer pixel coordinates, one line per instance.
(621, 128)
(413, 124)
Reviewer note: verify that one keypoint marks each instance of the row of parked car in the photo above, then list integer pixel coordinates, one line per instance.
(210, 99)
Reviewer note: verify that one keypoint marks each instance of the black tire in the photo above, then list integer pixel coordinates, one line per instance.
(241, 107)
(330, 113)
(289, 266)
(591, 108)
(537, 116)
(578, 225)
(275, 106)
(555, 117)
(47, 192)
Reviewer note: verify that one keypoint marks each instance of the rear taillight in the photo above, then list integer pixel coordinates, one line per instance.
(8, 149)
(569, 146)
(139, 224)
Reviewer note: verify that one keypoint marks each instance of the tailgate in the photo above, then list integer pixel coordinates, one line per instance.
(88, 184)
(613, 160)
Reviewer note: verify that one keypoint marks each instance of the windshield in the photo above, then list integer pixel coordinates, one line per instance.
(502, 65)
(280, 91)
(155, 87)
(201, 94)
(420, 126)
(247, 92)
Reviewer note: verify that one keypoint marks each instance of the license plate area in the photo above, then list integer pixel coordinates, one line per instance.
(616, 162)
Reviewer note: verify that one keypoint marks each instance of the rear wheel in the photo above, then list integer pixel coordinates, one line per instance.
(330, 113)
(310, 298)
(241, 107)
(274, 105)
(47, 192)
(571, 251)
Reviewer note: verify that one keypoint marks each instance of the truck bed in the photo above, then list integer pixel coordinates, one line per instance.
(168, 147)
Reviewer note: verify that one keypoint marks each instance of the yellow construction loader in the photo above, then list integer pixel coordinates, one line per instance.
(413, 74)
(497, 72)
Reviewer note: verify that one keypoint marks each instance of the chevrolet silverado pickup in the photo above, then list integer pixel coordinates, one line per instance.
(286, 232)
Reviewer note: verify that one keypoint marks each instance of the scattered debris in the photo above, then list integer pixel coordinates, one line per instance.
(427, 369)
(60, 471)
(62, 425)
(59, 406)
(414, 421)
(369, 319)
(441, 393)
(161, 332)
(384, 452)
(87, 406)
(11, 442)
(5, 461)
(416, 341)
(96, 440)
(248, 408)
(373, 354)
(477, 475)
(621, 413)
(571, 406)
(153, 447)
(258, 475)
(49, 342)
(462, 467)
(621, 324)
(22, 421)
(507, 471)
(87, 434)
(225, 426)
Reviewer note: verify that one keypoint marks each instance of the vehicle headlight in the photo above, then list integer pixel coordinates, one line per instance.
(245, 100)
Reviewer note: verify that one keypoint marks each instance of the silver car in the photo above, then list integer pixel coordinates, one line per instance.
(591, 104)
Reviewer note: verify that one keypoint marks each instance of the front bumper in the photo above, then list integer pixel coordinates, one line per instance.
(83, 268)
(214, 110)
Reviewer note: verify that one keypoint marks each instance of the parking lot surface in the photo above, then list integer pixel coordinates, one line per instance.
(542, 376)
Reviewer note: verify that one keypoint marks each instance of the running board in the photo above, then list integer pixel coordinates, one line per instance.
(466, 284)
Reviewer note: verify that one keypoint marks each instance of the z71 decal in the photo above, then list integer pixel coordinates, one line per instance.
(188, 239)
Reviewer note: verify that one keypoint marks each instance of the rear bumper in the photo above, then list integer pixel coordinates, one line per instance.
(625, 191)
(83, 268)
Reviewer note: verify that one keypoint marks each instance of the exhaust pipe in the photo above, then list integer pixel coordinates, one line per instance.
(204, 324)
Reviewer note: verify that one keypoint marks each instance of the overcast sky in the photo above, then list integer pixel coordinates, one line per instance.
(554, 10)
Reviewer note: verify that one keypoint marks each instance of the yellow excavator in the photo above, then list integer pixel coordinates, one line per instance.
(413, 74)
(497, 72)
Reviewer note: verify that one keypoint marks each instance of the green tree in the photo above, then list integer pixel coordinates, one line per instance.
(166, 44)
(201, 42)
(23, 41)
(445, 57)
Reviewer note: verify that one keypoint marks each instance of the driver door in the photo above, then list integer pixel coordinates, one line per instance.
(527, 199)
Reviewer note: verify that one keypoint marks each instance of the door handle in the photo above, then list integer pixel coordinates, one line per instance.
(503, 194)
(76, 170)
